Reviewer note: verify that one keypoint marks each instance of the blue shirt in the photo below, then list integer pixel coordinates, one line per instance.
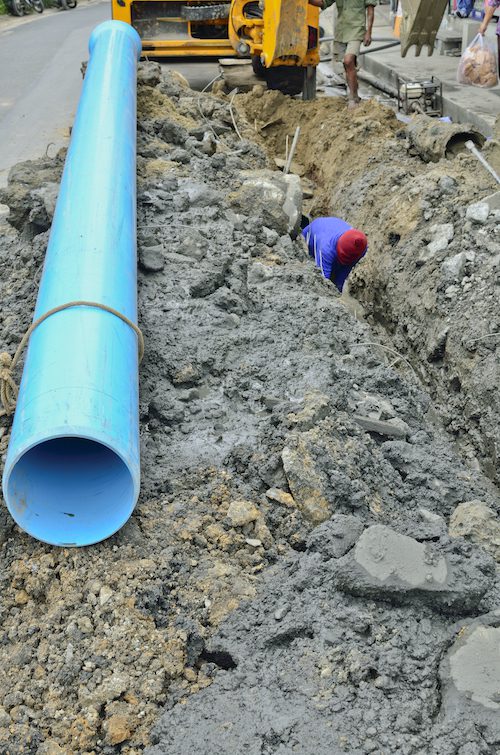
(321, 237)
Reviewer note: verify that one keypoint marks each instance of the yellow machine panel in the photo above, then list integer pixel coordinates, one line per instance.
(169, 28)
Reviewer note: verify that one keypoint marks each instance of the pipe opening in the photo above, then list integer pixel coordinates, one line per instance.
(70, 491)
(456, 144)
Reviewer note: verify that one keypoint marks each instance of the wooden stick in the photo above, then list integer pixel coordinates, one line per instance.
(288, 163)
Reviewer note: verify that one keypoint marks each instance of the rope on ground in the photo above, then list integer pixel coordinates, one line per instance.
(234, 93)
(8, 388)
(391, 351)
(200, 109)
(472, 341)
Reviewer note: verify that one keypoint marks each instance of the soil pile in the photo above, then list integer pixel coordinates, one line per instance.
(288, 581)
(335, 146)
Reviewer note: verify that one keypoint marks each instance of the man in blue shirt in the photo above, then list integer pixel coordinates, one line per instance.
(336, 247)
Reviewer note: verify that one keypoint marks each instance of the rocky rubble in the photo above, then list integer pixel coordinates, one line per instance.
(315, 670)
(277, 442)
(440, 293)
(389, 566)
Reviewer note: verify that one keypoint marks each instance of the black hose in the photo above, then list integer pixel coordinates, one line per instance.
(374, 39)
(382, 47)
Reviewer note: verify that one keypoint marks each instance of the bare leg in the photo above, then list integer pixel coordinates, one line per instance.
(351, 76)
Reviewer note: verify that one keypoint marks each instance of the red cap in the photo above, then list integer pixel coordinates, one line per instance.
(351, 246)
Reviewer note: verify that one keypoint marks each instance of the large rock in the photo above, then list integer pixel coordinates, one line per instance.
(316, 407)
(389, 566)
(241, 513)
(477, 522)
(191, 244)
(470, 677)
(199, 194)
(453, 268)
(148, 73)
(336, 536)
(493, 201)
(442, 234)
(44, 202)
(305, 482)
(273, 197)
(31, 193)
(151, 258)
(478, 212)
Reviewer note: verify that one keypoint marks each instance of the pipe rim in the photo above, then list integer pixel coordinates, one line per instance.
(124, 473)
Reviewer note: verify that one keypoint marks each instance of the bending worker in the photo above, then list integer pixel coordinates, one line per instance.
(336, 247)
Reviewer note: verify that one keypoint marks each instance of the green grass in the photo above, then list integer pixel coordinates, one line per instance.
(3, 8)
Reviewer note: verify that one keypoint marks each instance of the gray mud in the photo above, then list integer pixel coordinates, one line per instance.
(312, 670)
(287, 582)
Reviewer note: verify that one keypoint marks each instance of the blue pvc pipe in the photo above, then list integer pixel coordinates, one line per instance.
(72, 471)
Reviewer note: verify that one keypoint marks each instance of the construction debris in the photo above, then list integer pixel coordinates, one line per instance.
(264, 595)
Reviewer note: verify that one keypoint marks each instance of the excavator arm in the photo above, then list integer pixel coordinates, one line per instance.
(420, 24)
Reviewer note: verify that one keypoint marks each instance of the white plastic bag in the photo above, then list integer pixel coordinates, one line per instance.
(478, 64)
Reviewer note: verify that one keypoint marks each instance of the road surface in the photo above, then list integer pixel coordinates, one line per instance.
(40, 80)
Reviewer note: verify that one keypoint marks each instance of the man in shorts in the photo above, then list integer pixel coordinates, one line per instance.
(354, 26)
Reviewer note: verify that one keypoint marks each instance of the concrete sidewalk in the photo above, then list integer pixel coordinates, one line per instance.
(462, 103)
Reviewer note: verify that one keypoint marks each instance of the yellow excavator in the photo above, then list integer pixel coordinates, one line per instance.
(281, 37)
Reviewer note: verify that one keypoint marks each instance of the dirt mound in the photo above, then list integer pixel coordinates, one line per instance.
(152, 103)
(334, 144)
(256, 389)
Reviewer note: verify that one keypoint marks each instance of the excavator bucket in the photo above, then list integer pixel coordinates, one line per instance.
(285, 31)
(421, 21)
(173, 28)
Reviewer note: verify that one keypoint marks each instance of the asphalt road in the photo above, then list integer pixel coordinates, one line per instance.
(40, 79)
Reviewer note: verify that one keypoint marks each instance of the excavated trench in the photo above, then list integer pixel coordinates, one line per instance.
(430, 284)
(312, 564)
